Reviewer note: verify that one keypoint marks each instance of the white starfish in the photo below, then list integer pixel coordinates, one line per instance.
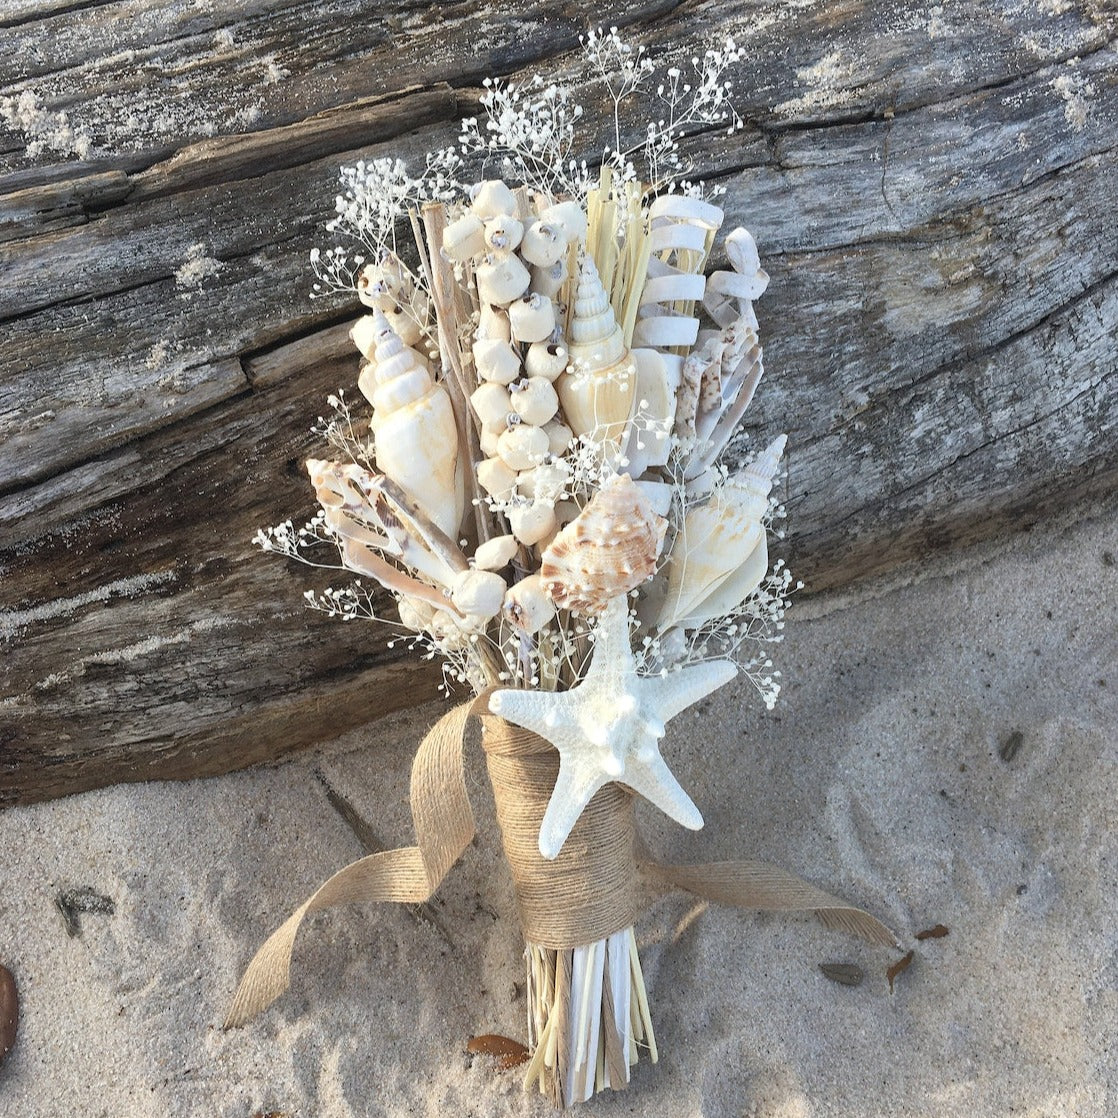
(609, 728)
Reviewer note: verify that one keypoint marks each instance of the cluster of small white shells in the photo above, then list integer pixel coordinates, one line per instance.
(518, 353)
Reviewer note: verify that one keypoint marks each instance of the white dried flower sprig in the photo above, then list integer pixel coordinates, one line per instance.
(376, 196)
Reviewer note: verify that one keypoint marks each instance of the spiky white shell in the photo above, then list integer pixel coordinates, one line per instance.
(610, 548)
(527, 605)
(717, 541)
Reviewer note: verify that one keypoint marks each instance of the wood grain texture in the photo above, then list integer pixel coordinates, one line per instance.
(932, 192)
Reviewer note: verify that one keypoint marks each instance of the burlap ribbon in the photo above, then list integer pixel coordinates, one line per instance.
(589, 892)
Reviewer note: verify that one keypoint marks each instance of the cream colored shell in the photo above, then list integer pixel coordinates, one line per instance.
(610, 548)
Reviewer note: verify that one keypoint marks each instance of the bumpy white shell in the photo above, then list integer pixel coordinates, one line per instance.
(496, 553)
(610, 548)
(480, 593)
(501, 279)
(569, 216)
(532, 522)
(546, 359)
(496, 360)
(523, 446)
(715, 559)
(532, 318)
(543, 245)
(548, 280)
(559, 436)
(493, 322)
(597, 392)
(384, 285)
(534, 400)
(527, 605)
(464, 238)
(492, 403)
(503, 233)
(488, 436)
(490, 198)
(496, 478)
(415, 436)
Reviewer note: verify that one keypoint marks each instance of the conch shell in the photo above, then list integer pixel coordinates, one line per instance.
(415, 437)
(610, 548)
(721, 554)
(597, 393)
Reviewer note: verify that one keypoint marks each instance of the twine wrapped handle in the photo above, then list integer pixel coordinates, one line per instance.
(589, 892)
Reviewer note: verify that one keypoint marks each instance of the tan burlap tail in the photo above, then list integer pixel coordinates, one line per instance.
(589, 892)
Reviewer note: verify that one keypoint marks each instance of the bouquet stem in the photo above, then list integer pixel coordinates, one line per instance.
(587, 1018)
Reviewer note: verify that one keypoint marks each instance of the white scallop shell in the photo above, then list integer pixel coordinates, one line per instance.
(610, 548)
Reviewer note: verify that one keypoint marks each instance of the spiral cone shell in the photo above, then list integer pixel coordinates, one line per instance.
(415, 437)
(610, 548)
(597, 393)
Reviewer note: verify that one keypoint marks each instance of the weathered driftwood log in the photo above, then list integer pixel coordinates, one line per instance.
(933, 193)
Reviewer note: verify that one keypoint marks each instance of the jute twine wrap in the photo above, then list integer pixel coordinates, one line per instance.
(590, 890)
(586, 894)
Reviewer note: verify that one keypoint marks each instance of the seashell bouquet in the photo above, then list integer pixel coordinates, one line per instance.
(535, 477)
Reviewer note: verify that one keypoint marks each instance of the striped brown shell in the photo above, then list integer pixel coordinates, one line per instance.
(610, 548)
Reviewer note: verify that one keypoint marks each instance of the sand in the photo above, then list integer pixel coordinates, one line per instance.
(879, 776)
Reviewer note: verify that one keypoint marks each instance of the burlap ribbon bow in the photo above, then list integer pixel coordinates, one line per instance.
(589, 892)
